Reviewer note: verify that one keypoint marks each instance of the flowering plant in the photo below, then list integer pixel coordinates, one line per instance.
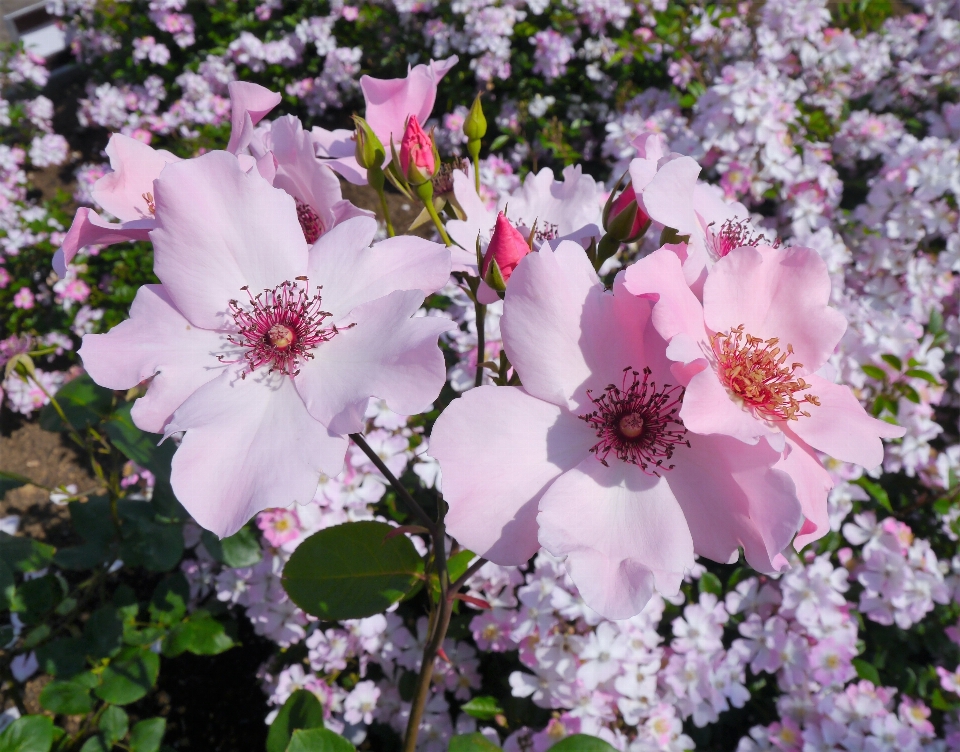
(662, 402)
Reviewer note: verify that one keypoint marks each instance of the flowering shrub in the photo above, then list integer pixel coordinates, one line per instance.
(690, 265)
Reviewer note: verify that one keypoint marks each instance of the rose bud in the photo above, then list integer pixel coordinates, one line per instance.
(418, 154)
(507, 247)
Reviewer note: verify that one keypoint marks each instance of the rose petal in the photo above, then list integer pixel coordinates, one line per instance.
(623, 534)
(813, 483)
(841, 427)
(782, 293)
(219, 229)
(135, 166)
(89, 228)
(352, 273)
(249, 445)
(156, 341)
(709, 408)
(499, 449)
(248, 99)
(386, 354)
(732, 497)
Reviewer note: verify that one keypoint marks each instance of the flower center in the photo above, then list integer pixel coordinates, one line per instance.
(736, 234)
(637, 422)
(756, 372)
(309, 222)
(279, 328)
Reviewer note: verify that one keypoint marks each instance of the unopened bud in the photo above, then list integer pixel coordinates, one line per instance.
(370, 152)
(623, 219)
(21, 364)
(475, 124)
(507, 247)
(418, 154)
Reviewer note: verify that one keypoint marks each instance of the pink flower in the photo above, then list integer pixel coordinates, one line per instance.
(4, 278)
(507, 247)
(279, 526)
(749, 356)
(266, 385)
(23, 299)
(589, 458)
(417, 160)
(389, 102)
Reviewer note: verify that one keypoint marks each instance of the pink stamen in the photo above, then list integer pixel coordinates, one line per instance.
(634, 421)
(736, 234)
(279, 328)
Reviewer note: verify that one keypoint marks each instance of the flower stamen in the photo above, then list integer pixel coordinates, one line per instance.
(279, 328)
(634, 422)
(736, 234)
(756, 372)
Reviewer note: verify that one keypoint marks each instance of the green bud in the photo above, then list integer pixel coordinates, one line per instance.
(22, 364)
(494, 277)
(370, 152)
(475, 124)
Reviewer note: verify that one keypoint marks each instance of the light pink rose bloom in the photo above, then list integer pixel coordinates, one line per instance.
(588, 458)
(562, 210)
(264, 375)
(283, 153)
(127, 191)
(669, 191)
(389, 102)
(749, 356)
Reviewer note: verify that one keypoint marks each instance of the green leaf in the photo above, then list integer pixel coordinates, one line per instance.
(874, 372)
(83, 402)
(95, 744)
(876, 491)
(63, 658)
(31, 733)
(242, 549)
(909, 392)
(137, 445)
(351, 571)
(7, 586)
(24, 554)
(168, 605)
(10, 481)
(318, 740)
(200, 634)
(36, 598)
(129, 676)
(499, 141)
(892, 360)
(710, 583)
(114, 724)
(476, 742)
(582, 743)
(148, 542)
(302, 710)
(484, 708)
(104, 632)
(147, 735)
(919, 373)
(66, 697)
(866, 670)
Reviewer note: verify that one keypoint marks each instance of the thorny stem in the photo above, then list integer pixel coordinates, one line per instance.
(481, 313)
(412, 506)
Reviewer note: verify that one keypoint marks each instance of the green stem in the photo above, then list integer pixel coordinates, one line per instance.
(476, 170)
(432, 211)
(404, 495)
(386, 212)
(481, 311)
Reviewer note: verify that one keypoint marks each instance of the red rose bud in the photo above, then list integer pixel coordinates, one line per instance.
(624, 219)
(507, 247)
(418, 154)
